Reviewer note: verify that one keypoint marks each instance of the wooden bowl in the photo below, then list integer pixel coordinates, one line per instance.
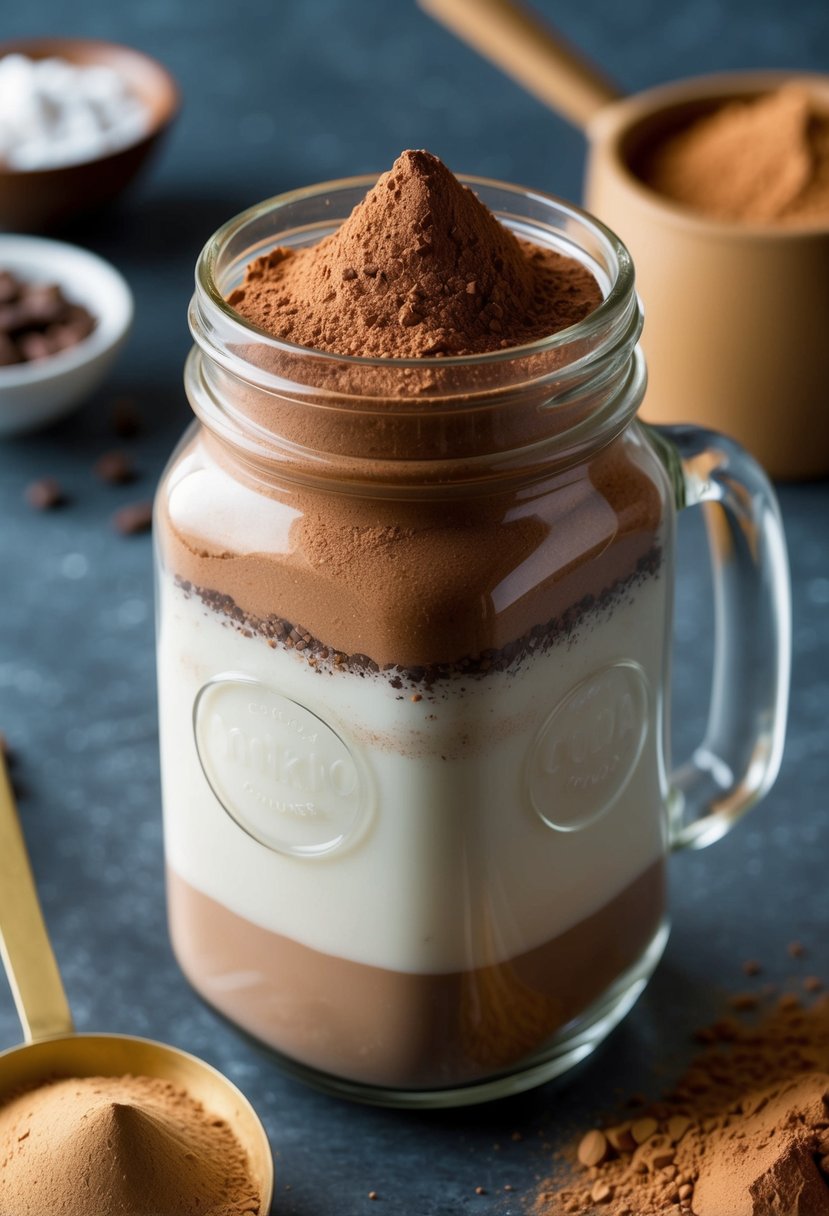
(41, 199)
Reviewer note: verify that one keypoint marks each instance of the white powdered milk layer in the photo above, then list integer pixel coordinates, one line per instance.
(418, 831)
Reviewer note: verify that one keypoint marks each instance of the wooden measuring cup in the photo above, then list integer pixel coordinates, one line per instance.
(736, 315)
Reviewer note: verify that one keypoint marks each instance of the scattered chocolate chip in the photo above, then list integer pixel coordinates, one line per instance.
(135, 517)
(813, 984)
(643, 1129)
(44, 494)
(796, 949)
(726, 1030)
(620, 1138)
(751, 967)
(743, 1002)
(116, 468)
(480, 1190)
(593, 1147)
(373, 1195)
(126, 418)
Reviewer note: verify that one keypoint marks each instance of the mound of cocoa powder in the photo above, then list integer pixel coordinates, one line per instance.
(758, 161)
(420, 268)
(744, 1133)
(119, 1146)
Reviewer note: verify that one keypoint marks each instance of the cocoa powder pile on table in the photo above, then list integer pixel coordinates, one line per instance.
(420, 268)
(761, 161)
(744, 1133)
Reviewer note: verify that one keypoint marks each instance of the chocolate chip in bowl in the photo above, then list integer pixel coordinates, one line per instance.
(37, 320)
(64, 315)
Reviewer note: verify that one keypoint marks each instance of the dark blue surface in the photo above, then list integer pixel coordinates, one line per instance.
(277, 96)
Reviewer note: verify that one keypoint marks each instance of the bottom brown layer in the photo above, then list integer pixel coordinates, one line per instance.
(398, 1029)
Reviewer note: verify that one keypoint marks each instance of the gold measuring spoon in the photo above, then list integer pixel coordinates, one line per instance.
(52, 1048)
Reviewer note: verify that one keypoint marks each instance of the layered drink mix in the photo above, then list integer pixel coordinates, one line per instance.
(411, 725)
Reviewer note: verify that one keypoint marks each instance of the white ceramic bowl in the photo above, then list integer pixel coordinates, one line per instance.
(32, 394)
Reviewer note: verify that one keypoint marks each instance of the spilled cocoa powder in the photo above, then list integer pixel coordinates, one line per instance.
(763, 161)
(119, 1146)
(744, 1133)
(420, 268)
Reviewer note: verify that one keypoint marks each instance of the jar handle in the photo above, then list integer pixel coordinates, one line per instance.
(739, 756)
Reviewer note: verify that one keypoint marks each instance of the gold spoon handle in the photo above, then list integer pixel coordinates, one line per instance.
(24, 943)
(538, 58)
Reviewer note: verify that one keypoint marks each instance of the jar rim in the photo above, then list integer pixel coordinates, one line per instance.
(620, 290)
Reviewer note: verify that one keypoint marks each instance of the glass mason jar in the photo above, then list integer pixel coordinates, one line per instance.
(414, 624)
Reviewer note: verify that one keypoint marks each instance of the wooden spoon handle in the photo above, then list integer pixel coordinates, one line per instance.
(513, 38)
(24, 943)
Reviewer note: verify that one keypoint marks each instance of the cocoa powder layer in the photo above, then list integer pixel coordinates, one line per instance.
(119, 1146)
(283, 634)
(392, 1028)
(420, 268)
(424, 581)
(759, 161)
